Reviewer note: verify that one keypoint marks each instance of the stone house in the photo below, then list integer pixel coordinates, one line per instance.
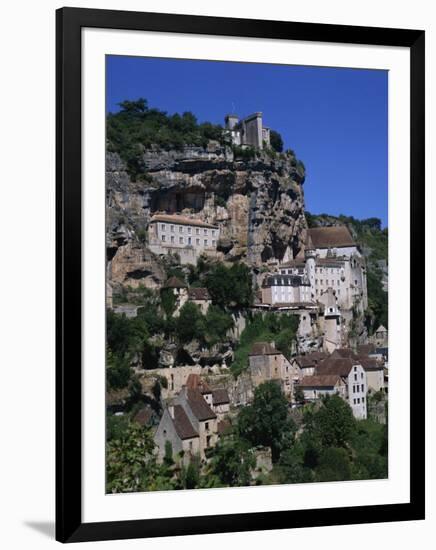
(305, 365)
(267, 363)
(176, 427)
(218, 399)
(354, 377)
(189, 238)
(200, 297)
(183, 294)
(374, 368)
(316, 386)
(374, 373)
(189, 424)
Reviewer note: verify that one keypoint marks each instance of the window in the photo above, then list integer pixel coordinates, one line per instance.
(197, 231)
(206, 425)
(162, 227)
(213, 232)
(172, 228)
(190, 445)
(358, 400)
(338, 282)
(363, 387)
(322, 281)
(361, 375)
(355, 377)
(172, 238)
(205, 231)
(316, 281)
(354, 401)
(181, 229)
(189, 240)
(181, 240)
(363, 400)
(197, 241)
(189, 230)
(163, 238)
(208, 441)
(205, 242)
(213, 243)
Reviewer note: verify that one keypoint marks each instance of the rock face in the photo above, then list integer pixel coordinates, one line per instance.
(257, 202)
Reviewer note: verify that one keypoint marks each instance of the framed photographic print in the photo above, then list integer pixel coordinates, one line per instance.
(240, 235)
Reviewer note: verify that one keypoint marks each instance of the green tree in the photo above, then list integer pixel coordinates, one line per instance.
(130, 463)
(290, 467)
(334, 465)
(333, 423)
(168, 301)
(233, 461)
(190, 323)
(230, 286)
(266, 422)
(276, 141)
(118, 370)
(191, 474)
(217, 324)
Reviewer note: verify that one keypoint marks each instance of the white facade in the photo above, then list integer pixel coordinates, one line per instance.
(189, 238)
(357, 391)
(278, 289)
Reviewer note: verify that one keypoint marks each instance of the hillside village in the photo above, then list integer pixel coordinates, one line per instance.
(239, 346)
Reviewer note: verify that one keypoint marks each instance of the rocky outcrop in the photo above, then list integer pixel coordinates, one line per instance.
(257, 202)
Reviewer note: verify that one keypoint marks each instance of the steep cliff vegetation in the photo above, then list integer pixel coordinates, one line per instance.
(374, 242)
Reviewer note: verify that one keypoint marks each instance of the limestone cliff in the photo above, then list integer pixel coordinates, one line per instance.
(257, 201)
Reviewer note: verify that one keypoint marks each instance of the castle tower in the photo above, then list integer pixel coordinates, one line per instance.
(310, 257)
(231, 121)
(332, 321)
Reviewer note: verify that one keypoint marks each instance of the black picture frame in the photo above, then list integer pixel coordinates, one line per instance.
(69, 525)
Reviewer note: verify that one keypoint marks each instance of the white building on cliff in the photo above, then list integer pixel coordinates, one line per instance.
(187, 237)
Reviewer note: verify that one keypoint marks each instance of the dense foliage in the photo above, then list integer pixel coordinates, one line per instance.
(276, 141)
(136, 127)
(266, 422)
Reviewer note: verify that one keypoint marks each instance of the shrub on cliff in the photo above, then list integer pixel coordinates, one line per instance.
(276, 141)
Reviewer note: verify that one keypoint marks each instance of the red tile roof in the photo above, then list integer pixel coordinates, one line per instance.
(310, 359)
(220, 397)
(320, 381)
(182, 424)
(335, 365)
(199, 407)
(330, 237)
(175, 282)
(195, 382)
(198, 294)
(263, 348)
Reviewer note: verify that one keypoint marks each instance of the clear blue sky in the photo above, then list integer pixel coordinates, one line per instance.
(334, 119)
